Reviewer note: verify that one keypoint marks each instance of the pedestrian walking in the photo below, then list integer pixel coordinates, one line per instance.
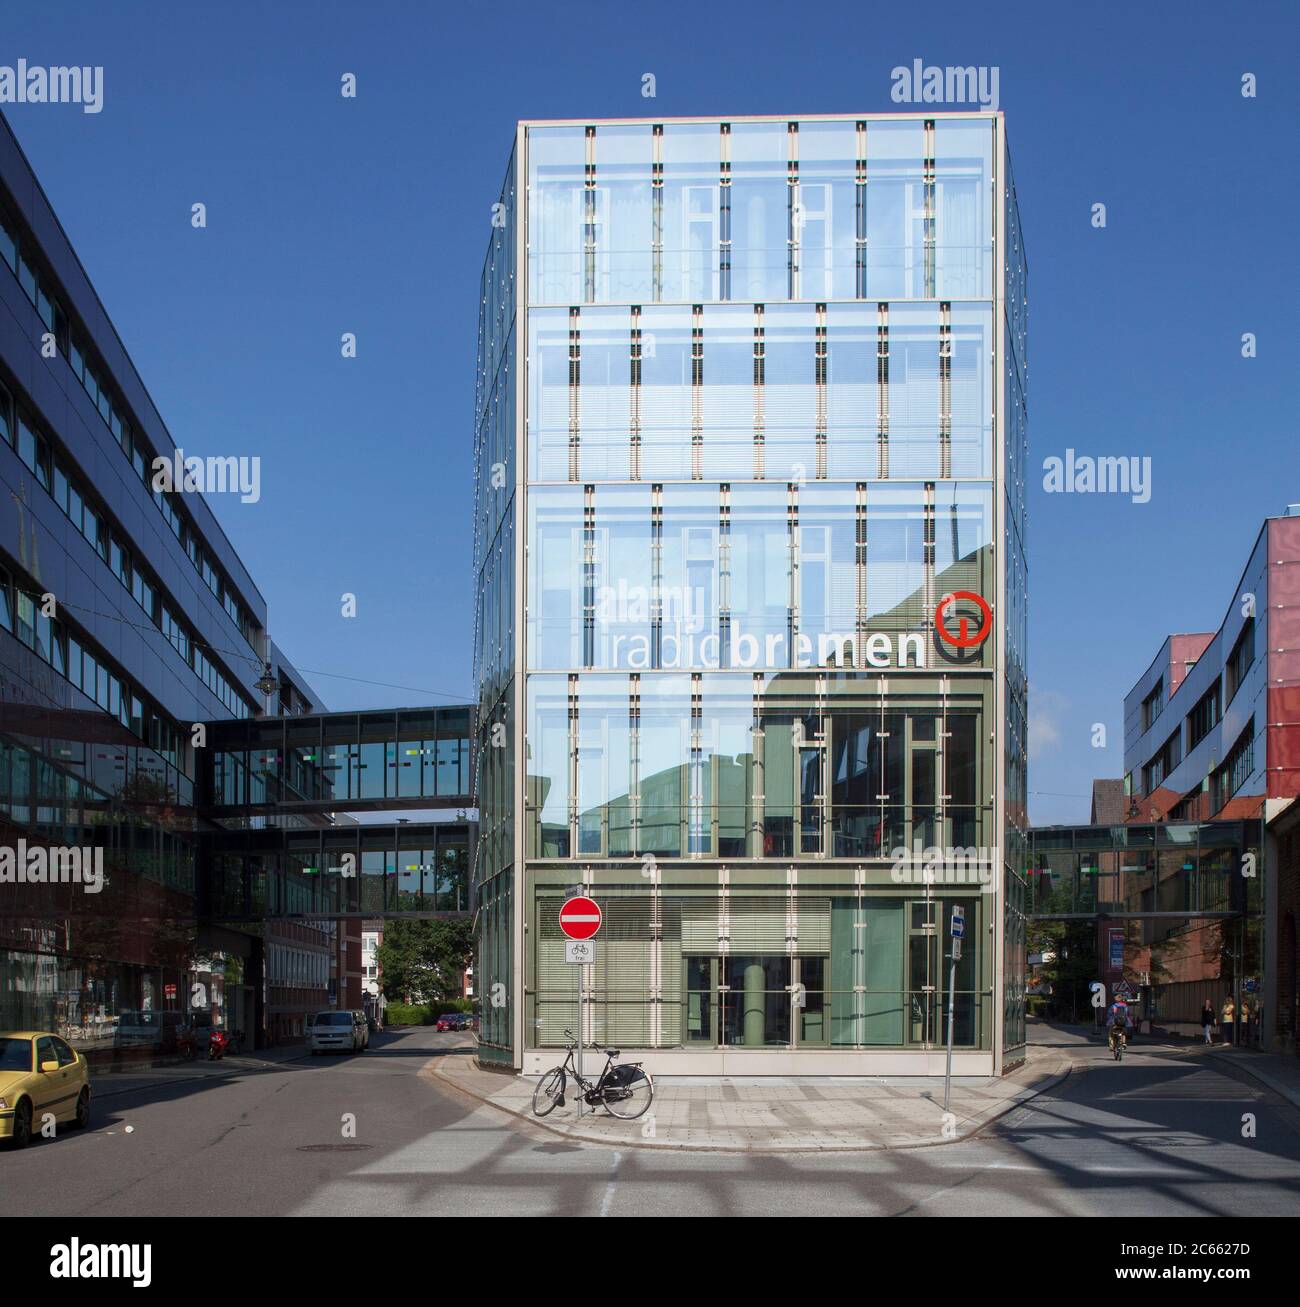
(1243, 1020)
(1207, 1021)
(1228, 1020)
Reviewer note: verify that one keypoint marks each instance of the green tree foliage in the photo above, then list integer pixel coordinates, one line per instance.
(422, 961)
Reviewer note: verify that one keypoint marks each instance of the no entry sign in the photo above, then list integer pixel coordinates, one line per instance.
(580, 917)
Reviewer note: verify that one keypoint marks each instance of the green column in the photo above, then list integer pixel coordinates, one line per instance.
(755, 1005)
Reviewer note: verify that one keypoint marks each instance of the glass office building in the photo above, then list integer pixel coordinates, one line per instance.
(750, 637)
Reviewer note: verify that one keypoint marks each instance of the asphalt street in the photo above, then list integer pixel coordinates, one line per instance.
(1163, 1133)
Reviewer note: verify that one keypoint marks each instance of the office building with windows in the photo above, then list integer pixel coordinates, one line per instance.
(1212, 734)
(125, 618)
(750, 553)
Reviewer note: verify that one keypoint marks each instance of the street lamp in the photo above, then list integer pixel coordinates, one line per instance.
(267, 684)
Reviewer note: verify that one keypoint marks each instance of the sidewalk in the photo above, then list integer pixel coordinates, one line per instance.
(1279, 1071)
(775, 1114)
(107, 1084)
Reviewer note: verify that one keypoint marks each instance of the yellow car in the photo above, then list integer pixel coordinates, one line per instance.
(40, 1076)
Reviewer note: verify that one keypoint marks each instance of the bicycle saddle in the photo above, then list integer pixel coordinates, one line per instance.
(613, 1052)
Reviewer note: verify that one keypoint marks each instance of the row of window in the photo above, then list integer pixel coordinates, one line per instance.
(22, 615)
(643, 576)
(898, 208)
(51, 313)
(37, 453)
(1205, 715)
(766, 391)
(297, 967)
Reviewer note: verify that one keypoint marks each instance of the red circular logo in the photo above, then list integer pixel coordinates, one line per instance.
(580, 917)
(963, 639)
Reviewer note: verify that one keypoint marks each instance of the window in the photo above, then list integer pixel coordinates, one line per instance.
(1170, 755)
(1237, 767)
(27, 277)
(119, 561)
(8, 246)
(6, 416)
(1204, 716)
(1241, 657)
(26, 629)
(1153, 705)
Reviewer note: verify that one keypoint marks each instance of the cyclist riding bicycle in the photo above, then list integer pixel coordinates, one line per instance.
(1118, 1022)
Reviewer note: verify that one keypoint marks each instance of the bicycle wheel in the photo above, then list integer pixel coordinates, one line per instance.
(549, 1091)
(628, 1094)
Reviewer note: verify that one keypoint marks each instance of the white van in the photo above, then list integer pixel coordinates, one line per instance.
(332, 1032)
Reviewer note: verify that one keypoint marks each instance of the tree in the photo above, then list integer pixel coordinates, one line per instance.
(423, 961)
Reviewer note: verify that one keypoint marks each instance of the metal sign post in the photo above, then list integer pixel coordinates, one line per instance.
(580, 919)
(957, 929)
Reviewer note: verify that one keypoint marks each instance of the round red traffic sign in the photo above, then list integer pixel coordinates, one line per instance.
(580, 917)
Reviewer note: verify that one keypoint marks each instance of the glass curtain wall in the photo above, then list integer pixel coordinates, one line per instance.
(759, 428)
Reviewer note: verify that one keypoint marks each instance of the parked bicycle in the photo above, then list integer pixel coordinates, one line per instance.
(625, 1091)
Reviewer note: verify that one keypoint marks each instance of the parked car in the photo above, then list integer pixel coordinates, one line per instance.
(333, 1032)
(40, 1073)
(362, 1027)
(451, 1021)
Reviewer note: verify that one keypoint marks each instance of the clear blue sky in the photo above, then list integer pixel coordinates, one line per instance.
(371, 215)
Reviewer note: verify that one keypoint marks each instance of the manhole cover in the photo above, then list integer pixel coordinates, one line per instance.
(1172, 1141)
(332, 1148)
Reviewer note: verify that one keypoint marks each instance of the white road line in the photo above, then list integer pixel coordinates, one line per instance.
(607, 1201)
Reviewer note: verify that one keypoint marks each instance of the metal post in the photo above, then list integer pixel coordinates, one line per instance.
(952, 985)
(577, 1056)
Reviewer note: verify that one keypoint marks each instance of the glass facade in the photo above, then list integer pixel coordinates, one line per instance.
(766, 702)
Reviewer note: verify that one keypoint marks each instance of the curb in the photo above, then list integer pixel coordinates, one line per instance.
(973, 1124)
(1271, 1082)
(232, 1073)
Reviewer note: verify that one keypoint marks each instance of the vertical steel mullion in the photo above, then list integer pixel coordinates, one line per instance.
(860, 555)
(820, 386)
(929, 219)
(589, 205)
(575, 390)
(945, 390)
(634, 397)
(794, 212)
(634, 759)
(657, 213)
(574, 769)
(860, 213)
(760, 371)
(656, 574)
(882, 391)
(724, 575)
(697, 392)
(792, 556)
(588, 651)
(929, 597)
(724, 212)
